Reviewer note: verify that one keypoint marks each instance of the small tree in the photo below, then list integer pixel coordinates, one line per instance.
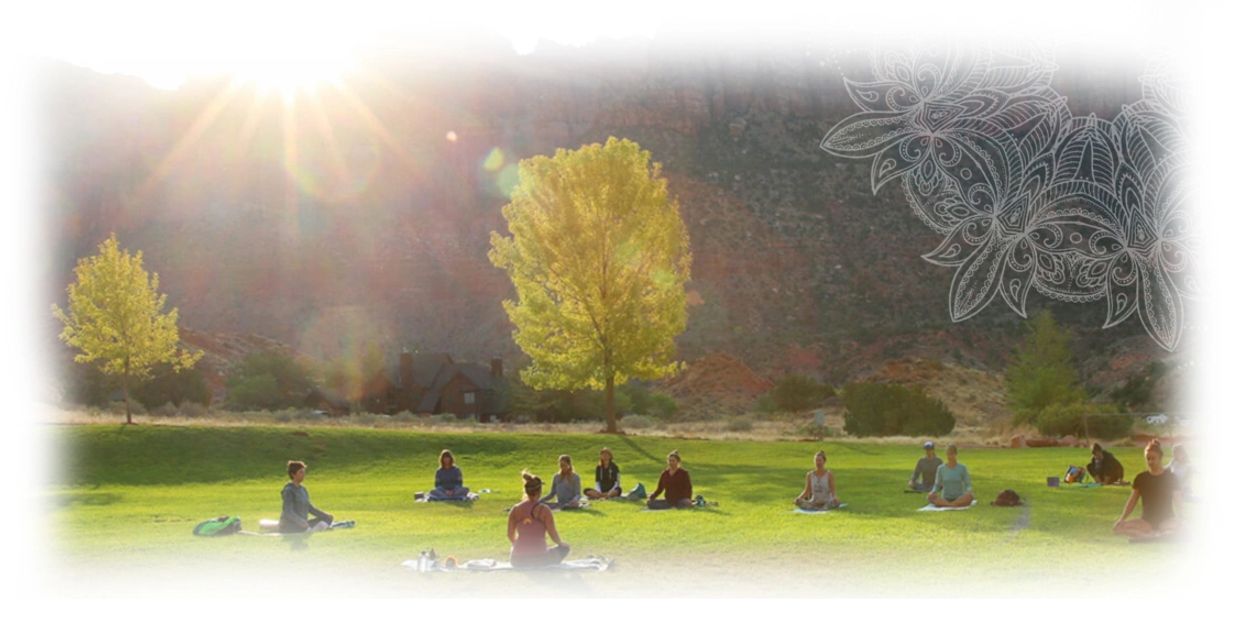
(797, 393)
(1042, 374)
(116, 319)
(599, 257)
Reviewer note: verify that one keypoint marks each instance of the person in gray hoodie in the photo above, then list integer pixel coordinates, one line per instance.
(295, 515)
(565, 487)
(923, 473)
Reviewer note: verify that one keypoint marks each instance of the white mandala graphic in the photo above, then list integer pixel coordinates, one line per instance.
(1028, 196)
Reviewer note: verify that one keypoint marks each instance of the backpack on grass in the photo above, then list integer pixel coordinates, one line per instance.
(1074, 475)
(1007, 497)
(220, 526)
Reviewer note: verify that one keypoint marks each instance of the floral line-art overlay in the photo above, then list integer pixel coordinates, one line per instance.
(1027, 195)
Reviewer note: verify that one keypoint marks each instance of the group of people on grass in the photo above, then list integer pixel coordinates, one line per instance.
(947, 484)
(531, 522)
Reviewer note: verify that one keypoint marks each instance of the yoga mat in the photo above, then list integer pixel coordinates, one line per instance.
(339, 525)
(931, 507)
(469, 497)
(800, 511)
(487, 565)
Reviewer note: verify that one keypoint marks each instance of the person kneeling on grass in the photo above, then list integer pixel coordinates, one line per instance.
(449, 483)
(819, 492)
(1104, 467)
(530, 522)
(952, 485)
(1156, 488)
(675, 481)
(923, 473)
(294, 516)
(565, 486)
(606, 477)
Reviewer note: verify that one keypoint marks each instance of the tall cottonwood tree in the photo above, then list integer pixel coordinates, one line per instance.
(1042, 372)
(599, 257)
(116, 319)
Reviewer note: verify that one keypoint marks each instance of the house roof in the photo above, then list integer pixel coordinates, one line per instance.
(426, 367)
(477, 375)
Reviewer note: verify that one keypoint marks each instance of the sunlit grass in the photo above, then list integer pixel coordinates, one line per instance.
(131, 496)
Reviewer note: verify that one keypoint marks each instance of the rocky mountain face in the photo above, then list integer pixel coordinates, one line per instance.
(362, 213)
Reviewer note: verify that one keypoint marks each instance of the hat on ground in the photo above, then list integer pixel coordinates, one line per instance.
(928, 444)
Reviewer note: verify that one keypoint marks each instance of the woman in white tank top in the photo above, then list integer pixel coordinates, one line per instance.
(819, 492)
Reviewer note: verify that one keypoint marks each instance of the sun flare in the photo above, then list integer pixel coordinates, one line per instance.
(289, 77)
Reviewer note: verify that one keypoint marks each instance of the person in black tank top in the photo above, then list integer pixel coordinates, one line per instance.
(1158, 490)
(606, 477)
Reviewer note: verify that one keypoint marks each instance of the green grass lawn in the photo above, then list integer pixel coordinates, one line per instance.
(128, 498)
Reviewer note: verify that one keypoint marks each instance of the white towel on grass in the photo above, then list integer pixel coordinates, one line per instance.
(589, 563)
(931, 507)
(800, 511)
(469, 497)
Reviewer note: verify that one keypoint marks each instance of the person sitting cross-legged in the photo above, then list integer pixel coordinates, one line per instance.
(449, 482)
(1157, 489)
(675, 481)
(819, 492)
(565, 487)
(923, 473)
(952, 485)
(295, 514)
(530, 522)
(606, 477)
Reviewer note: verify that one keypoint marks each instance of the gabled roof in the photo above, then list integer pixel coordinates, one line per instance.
(426, 367)
(478, 375)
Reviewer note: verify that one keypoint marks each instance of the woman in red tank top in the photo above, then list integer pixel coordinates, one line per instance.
(529, 525)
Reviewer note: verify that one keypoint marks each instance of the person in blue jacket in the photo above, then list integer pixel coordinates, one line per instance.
(449, 483)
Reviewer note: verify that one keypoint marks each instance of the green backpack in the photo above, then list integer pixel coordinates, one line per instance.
(220, 526)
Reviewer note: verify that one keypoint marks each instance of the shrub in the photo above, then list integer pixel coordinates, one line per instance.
(175, 387)
(637, 398)
(816, 431)
(1069, 419)
(637, 421)
(268, 380)
(368, 419)
(310, 415)
(892, 409)
(796, 393)
(192, 409)
(662, 405)
(85, 384)
(168, 409)
(739, 424)
(118, 407)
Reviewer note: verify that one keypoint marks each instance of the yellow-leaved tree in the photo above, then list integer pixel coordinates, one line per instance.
(599, 257)
(116, 319)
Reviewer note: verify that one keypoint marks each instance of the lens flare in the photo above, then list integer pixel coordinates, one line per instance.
(494, 160)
